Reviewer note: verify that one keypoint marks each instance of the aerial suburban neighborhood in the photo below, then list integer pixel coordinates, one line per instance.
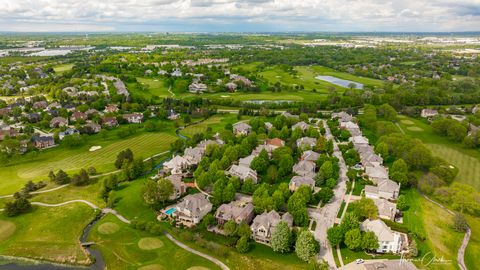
(203, 150)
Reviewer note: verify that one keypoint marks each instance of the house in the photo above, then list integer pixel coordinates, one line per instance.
(349, 125)
(386, 189)
(78, 116)
(54, 105)
(41, 142)
(109, 121)
(263, 225)
(301, 125)
(172, 115)
(67, 132)
(275, 143)
(33, 117)
(8, 132)
(245, 81)
(246, 161)
(305, 168)
(268, 125)
(177, 165)
(5, 111)
(342, 116)
(40, 105)
(388, 240)
(92, 112)
(179, 187)
(238, 211)
(93, 127)
(194, 155)
(192, 209)
(57, 122)
(306, 142)
(121, 88)
(386, 209)
(359, 140)
(241, 128)
(429, 113)
(243, 173)
(111, 108)
(310, 155)
(133, 117)
(197, 88)
(231, 86)
(298, 181)
(177, 73)
(376, 173)
(289, 115)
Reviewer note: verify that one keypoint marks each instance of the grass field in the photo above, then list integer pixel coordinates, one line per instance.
(154, 87)
(128, 248)
(63, 68)
(466, 160)
(216, 122)
(473, 248)
(428, 219)
(50, 234)
(37, 167)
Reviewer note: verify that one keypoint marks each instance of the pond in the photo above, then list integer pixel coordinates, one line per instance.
(339, 82)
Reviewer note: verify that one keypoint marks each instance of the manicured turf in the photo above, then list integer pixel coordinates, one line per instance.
(121, 251)
(37, 167)
(108, 228)
(89, 193)
(149, 243)
(466, 160)
(349, 256)
(215, 122)
(347, 76)
(63, 68)
(7, 228)
(154, 87)
(428, 219)
(473, 248)
(48, 233)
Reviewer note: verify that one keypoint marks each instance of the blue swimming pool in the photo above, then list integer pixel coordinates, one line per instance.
(170, 211)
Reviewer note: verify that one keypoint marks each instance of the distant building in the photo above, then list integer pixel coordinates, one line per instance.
(57, 122)
(78, 116)
(133, 117)
(197, 88)
(109, 121)
(241, 128)
(429, 113)
(67, 132)
(42, 142)
(306, 142)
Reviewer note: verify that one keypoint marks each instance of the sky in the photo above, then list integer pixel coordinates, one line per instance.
(239, 15)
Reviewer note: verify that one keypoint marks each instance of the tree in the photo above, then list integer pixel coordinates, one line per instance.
(62, 178)
(369, 241)
(81, 178)
(122, 156)
(278, 200)
(230, 228)
(382, 150)
(313, 264)
(281, 237)
(165, 190)
(228, 193)
(349, 222)
(460, 223)
(297, 207)
(388, 112)
(248, 186)
(324, 195)
(150, 192)
(243, 245)
(335, 236)
(402, 203)
(272, 174)
(18, 206)
(326, 170)
(260, 162)
(306, 246)
(399, 166)
(365, 208)
(353, 239)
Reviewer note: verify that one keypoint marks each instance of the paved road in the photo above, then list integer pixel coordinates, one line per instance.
(327, 214)
(196, 252)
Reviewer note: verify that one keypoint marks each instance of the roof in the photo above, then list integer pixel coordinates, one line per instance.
(307, 141)
(303, 167)
(246, 161)
(241, 126)
(385, 208)
(377, 172)
(302, 125)
(275, 142)
(234, 210)
(194, 203)
(381, 230)
(303, 180)
(270, 220)
(243, 172)
(388, 186)
(310, 155)
(359, 140)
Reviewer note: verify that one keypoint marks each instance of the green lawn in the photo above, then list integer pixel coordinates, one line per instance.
(63, 68)
(130, 203)
(216, 122)
(347, 76)
(154, 87)
(121, 249)
(427, 219)
(473, 248)
(349, 256)
(46, 233)
(466, 160)
(37, 167)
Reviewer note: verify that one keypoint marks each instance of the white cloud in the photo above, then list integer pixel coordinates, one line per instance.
(240, 15)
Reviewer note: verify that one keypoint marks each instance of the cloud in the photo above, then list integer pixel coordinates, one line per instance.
(240, 15)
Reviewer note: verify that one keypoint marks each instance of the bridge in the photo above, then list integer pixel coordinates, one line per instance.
(87, 244)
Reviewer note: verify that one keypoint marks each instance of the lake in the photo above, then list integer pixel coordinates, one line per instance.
(339, 82)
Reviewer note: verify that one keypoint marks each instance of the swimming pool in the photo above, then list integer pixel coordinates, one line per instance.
(170, 211)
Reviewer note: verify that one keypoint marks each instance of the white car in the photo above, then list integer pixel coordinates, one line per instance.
(359, 261)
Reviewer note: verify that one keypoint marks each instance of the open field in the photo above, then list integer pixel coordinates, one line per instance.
(63, 68)
(466, 160)
(473, 248)
(216, 122)
(154, 87)
(428, 219)
(121, 249)
(37, 167)
(47, 233)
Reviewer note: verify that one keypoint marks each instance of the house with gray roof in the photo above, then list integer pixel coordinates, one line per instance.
(192, 209)
(57, 122)
(386, 189)
(388, 240)
(304, 168)
(306, 142)
(179, 187)
(301, 125)
(263, 225)
(241, 128)
(310, 155)
(243, 173)
(386, 209)
(238, 211)
(298, 181)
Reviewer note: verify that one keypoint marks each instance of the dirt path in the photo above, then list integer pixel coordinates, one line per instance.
(196, 252)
